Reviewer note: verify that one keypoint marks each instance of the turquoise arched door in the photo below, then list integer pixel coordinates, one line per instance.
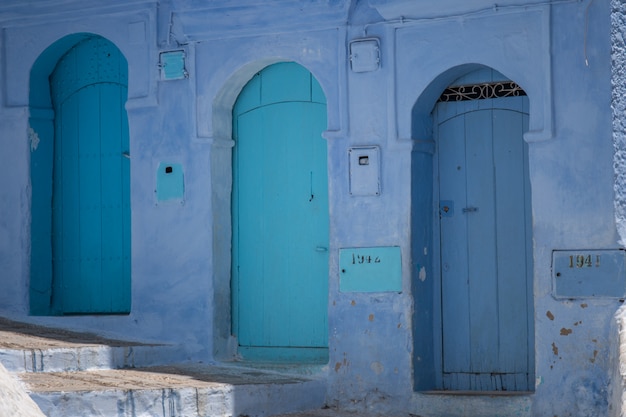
(280, 217)
(91, 186)
(485, 242)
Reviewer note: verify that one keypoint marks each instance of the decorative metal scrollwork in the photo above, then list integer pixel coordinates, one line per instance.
(482, 91)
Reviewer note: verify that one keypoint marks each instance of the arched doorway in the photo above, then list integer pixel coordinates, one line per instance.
(88, 161)
(280, 217)
(482, 309)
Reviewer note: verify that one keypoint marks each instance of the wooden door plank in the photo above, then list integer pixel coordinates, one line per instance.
(276, 209)
(58, 236)
(455, 282)
(90, 195)
(249, 253)
(70, 206)
(308, 261)
(112, 177)
(511, 236)
(481, 242)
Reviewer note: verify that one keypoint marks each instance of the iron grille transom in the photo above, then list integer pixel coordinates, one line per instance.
(481, 91)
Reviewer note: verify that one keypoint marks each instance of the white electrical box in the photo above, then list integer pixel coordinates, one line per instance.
(364, 55)
(364, 170)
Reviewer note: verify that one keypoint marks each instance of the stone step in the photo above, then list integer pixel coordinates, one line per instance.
(77, 374)
(31, 348)
(173, 391)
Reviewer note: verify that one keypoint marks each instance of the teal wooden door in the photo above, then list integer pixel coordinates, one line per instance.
(485, 240)
(91, 194)
(280, 217)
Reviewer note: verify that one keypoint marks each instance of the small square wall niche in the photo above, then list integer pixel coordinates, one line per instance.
(170, 183)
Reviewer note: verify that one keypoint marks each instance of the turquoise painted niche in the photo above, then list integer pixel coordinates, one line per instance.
(170, 183)
(375, 269)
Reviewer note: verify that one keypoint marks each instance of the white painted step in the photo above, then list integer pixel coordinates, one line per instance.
(30, 348)
(173, 391)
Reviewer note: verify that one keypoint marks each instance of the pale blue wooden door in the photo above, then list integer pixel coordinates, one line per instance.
(486, 260)
(280, 217)
(91, 187)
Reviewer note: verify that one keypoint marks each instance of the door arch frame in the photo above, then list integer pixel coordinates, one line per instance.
(224, 343)
(426, 338)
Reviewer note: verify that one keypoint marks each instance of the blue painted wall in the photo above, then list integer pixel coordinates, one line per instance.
(559, 52)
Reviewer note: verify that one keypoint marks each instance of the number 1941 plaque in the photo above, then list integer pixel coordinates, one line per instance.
(589, 273)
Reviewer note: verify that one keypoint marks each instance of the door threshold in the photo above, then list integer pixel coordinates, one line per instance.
(478, 393)
(289, 368)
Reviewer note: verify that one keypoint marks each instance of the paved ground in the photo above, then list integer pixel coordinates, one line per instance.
(158, 377)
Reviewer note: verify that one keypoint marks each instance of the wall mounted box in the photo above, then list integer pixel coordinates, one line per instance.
(376, 269)
(364, 170)
(364, 55)
(170, 182)
(589, 273)
(172, 65)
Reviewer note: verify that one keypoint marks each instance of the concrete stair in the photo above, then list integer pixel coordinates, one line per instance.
(73, 374)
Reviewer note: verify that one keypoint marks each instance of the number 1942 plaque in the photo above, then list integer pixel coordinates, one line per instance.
(589, 273)
(377, 269)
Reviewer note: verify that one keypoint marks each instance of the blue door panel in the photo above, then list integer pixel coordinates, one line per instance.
(486, 263)
(454, 279)
(280, 218)
(482, 253)
(91, 193)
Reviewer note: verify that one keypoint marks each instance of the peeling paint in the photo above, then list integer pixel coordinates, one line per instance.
(33, 137)
(422, 274)
(549, 315)
(370, 317)
(565, 332)
(584, 305)
(555, 349)
(538, 381)
(377, 367)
